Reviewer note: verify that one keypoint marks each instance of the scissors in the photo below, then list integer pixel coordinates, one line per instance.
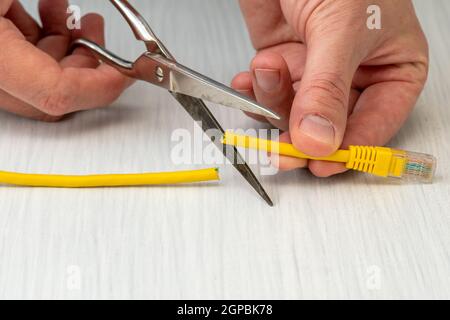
(158, 67)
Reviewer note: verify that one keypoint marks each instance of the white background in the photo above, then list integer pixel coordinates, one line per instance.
(351, 236)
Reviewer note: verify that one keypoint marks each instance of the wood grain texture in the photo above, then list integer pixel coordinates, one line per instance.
(324, 238)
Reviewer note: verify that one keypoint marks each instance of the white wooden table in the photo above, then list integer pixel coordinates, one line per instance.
(346, 237)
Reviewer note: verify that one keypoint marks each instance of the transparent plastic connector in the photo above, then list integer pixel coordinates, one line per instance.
(385, 162)
(413, 167)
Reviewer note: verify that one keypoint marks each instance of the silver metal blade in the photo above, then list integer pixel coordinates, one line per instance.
(194, 106)
(189, 82)
(201, 113)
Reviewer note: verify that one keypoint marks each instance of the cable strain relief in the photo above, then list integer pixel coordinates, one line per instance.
(362, 158)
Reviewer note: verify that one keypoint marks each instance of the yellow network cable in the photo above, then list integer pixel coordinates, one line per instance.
(113, 180)
(379, 161)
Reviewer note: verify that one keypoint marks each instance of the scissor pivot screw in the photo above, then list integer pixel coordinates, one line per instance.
(159, 74)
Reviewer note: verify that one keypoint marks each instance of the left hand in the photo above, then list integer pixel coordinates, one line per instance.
(40, 77)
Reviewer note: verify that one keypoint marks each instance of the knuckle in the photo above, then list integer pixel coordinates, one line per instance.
(423, 70)
(327, 90)
(421, 63)
(59, 96)
(56, 103)
(5, 25)
(416, 75)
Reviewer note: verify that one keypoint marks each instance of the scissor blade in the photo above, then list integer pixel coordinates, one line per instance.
(201, 114)
(191, 83)
(191, 103)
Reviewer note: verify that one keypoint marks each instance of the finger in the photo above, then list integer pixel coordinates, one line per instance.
(93, 29)
(294, 54)
(287, 163)
(379, 114)
(242, 83)
(354, 97)
(80, 89)
(53, 14)
(319, 168)
(324, 169)
(272, 84)
(93, 26)
(13, 105)
(266, 23)
(24, 22)
(319, 112)
(38, 80)
(56, 38)
(4, 6)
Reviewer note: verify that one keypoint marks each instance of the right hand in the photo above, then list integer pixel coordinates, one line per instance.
(335, 81)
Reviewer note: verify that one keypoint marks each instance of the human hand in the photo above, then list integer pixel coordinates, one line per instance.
(39, 77)
(335, 81)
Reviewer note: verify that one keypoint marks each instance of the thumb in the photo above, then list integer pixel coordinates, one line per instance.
(320, 109)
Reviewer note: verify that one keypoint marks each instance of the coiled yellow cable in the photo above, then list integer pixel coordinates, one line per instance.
(110, 180)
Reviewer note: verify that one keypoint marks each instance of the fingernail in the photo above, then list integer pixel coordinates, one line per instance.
(268, 79)
(286, 163)
(319, 129)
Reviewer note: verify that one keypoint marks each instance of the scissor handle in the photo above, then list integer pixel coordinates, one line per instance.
(106, 56)
(141, 28)
(138, 24)
(146, 68)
